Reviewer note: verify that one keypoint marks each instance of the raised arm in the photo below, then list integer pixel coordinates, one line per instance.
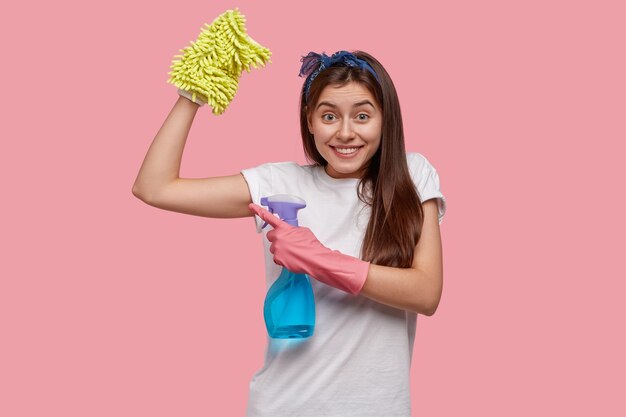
(222, 51)
(159, 184)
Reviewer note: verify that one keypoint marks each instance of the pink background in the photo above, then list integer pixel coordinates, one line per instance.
(110, 307)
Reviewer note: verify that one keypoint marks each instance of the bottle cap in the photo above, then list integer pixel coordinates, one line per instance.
(285, 205)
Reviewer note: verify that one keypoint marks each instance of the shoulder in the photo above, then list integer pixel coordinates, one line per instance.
(426, 180)
(285, 168)
(423, 173)
(417, 163)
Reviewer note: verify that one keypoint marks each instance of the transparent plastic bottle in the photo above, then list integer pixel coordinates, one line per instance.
(289, 308)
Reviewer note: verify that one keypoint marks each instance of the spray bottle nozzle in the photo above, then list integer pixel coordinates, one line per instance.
(285, 205)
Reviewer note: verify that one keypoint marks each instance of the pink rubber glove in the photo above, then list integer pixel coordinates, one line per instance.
(298, 250)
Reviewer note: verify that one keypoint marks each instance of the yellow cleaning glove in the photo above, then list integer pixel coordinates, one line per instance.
(209, 69)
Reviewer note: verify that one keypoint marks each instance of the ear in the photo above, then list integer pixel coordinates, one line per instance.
(308, 120)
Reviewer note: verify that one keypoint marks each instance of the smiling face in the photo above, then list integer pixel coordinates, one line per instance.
(346, 123)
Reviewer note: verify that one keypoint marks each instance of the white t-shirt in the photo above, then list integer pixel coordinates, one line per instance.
(357, 361)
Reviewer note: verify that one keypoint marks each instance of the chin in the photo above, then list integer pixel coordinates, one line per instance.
(354, 171)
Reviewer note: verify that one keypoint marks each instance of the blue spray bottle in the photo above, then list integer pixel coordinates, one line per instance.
(289, 308)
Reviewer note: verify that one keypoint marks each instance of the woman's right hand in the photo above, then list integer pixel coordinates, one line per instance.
(212, 64)
(199, 100)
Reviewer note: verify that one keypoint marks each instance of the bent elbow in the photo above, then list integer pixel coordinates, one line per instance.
(138, 193)
(142, 195)
(432, 301)
(430, 310)
(430, 307)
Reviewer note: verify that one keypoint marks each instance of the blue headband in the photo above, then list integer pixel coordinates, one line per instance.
(314, 63)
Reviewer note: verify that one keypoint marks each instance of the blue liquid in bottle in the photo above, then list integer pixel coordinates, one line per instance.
(289, 308)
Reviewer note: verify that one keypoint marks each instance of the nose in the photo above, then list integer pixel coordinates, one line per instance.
(346, 130)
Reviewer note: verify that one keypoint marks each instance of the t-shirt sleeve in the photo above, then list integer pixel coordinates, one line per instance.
(427, 182)
(259, 181)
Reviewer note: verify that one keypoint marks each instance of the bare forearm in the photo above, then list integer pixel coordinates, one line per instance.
(405, 288)
(162, 162)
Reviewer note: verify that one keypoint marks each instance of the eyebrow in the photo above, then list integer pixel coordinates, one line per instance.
(360, 103)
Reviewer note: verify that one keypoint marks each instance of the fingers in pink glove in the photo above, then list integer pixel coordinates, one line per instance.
(266, 216)
(288, 243)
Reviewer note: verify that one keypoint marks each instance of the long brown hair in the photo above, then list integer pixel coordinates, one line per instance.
(397, 216)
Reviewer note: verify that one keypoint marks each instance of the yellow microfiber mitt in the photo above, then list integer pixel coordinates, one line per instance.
(210, 67)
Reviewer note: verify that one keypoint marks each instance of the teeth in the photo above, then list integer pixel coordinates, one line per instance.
(346, 150)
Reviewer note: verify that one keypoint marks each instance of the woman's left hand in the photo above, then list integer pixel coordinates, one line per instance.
(290, 245)
(298, 250)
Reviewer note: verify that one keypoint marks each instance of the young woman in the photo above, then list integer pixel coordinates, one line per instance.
(369, 236)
